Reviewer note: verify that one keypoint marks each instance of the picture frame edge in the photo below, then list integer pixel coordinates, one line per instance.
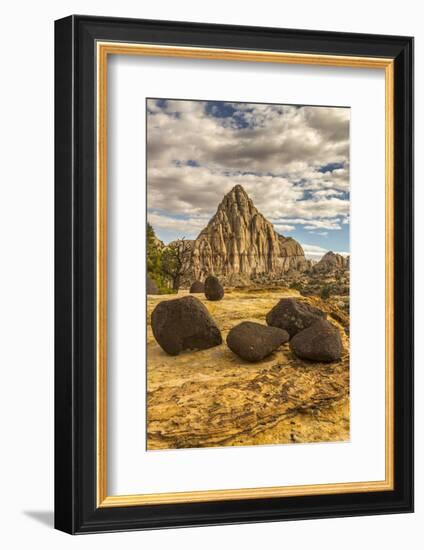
(76, 509)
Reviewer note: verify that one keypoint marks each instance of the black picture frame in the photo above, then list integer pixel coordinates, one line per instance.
(76, 510)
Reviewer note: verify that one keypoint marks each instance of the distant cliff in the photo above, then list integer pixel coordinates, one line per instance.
(331, 261)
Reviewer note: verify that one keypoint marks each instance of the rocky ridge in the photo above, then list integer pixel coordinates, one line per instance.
(331, 261)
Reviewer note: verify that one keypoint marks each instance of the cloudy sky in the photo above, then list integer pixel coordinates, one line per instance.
(292, 161)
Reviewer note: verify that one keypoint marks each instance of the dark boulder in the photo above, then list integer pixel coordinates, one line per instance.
(151, 286)
(293, 315)
(320, 342)
(197, 288)
(252, 341)
(184, 323)
(213, 289)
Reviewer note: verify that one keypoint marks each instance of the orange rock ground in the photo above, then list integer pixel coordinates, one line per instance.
(213, 398)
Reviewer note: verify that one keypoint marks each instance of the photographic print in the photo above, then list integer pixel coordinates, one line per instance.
(204, 310)
(248, 261)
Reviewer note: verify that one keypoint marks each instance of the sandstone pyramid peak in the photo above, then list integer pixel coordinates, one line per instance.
(239, 239)
(238, 189)
(238, 197)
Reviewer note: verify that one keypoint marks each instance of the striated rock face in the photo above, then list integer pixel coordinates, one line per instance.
(238, 239)
(331, 262)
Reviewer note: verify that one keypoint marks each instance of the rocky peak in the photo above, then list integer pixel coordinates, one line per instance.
(239, 239)
(331, 261)
(236, 203)
(238, 198)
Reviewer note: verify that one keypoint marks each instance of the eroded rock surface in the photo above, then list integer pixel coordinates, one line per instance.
(214, 398)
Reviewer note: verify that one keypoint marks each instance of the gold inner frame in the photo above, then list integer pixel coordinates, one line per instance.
(104, 49)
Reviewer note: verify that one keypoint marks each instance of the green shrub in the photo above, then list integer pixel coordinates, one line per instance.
(154, 255)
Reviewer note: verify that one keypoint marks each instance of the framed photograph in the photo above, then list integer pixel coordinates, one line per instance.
(234, 274)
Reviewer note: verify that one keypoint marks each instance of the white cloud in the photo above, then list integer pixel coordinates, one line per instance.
(313, 252)
(278, 138)
(293, 162)
(311, 224)
(188, 227)
(283, 227)
(323, 224)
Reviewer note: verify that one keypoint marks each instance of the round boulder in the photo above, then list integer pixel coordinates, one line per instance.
(319, 342)
(252, 341)
(213, 289)
(151, 286)
(293, 315)
(184, 323)
(197, 288)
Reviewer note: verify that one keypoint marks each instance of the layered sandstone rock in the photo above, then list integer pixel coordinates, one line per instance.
(238, 239)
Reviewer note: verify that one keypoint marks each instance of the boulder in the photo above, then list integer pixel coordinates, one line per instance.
(213, 289)
(319, 342)
(252, 341)
(151, 286)
(197, 288)
(293, 315)
(184, 323)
